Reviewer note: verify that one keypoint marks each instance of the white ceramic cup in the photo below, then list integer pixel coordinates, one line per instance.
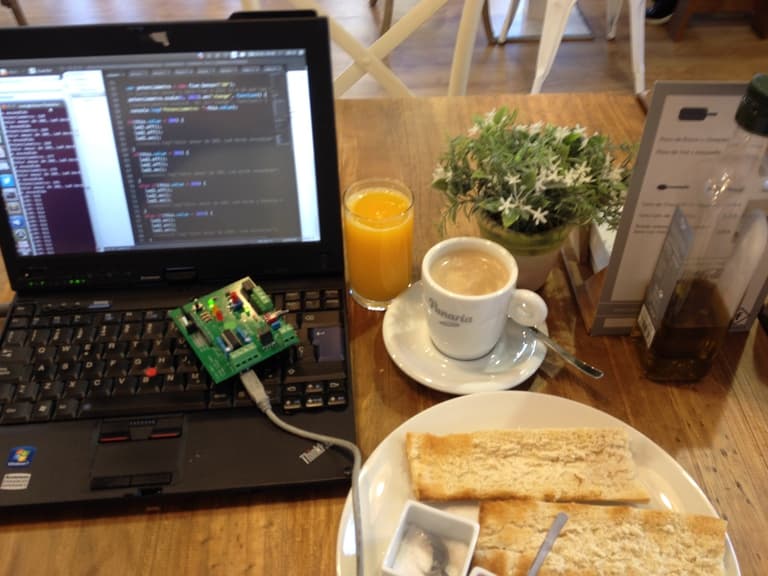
(465, 326)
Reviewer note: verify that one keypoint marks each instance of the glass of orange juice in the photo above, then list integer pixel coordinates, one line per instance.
(378, 240)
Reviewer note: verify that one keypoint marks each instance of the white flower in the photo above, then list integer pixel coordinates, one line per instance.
(513, 179)
(440, 173)
(611, 172)
(489, 116)
(616, 174)
(560, 133)
(548, 175)
(531, 129)
(581, 131)
(507, 204)
(571, 177)
(525, 169)
(539, 216)
(581, 174)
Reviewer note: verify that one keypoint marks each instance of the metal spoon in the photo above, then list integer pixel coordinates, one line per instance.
(587, 369)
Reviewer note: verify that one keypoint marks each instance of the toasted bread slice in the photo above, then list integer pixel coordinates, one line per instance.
(598, 539)
(554, 464)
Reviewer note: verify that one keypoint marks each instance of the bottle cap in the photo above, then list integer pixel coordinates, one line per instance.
(752, 114)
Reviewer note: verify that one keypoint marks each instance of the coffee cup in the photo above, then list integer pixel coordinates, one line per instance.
(469, 289)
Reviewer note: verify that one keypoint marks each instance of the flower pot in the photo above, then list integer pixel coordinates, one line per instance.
(536, 254)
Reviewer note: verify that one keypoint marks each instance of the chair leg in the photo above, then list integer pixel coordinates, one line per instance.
(683, 12)
(471, 14)
(18, 13)
(637, 39)
(509, 17)
(386, 18)
(487, 26)
(555, 20)
(612, 13)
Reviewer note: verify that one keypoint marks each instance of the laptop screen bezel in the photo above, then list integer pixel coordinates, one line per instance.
(220, 264)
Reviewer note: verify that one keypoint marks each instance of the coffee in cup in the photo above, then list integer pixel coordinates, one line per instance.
(468, 288)
(470, 272)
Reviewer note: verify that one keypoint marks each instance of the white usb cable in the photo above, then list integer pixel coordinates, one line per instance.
(256, 391)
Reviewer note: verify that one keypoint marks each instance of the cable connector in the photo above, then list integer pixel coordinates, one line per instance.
(255, 390)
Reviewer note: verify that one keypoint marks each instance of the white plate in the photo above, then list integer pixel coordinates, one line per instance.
(385, 484)
(512, 361)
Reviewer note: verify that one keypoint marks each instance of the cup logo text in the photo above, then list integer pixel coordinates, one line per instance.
(448, 318)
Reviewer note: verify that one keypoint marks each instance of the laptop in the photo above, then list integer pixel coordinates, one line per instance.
(142, 166)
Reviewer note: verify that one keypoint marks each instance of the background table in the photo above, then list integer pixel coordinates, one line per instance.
(717, 429)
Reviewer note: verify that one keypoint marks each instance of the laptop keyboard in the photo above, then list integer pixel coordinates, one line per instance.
(58, 362)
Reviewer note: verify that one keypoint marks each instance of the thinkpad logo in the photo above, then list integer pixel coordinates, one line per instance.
(160, 38)
(313, 453)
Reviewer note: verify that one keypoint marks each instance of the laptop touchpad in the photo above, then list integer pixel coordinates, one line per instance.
(137, 453)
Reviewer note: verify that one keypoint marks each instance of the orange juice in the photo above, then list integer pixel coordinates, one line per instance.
(378, 237)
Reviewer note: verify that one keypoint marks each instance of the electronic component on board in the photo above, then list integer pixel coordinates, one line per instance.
(234, 328)
(229, 337)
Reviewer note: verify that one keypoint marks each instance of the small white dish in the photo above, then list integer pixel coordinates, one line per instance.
(480, 571)
(421, 530)
(512, 361)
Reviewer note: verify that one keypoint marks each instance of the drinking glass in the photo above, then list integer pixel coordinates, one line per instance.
(378, 240)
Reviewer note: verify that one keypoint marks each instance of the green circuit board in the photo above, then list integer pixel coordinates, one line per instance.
(234, 328)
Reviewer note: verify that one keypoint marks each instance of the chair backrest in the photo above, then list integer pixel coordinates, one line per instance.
(369, 59)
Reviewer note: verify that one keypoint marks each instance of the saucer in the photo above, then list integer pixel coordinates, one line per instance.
(513, 360)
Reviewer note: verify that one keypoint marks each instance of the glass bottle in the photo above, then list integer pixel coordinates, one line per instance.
(694, 291)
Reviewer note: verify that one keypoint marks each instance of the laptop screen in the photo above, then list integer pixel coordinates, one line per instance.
(157, 151)
(149, 147)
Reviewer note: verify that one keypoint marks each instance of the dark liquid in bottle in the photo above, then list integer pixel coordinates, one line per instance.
(694, 325)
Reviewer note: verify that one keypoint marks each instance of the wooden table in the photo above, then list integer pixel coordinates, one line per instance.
(716, 429)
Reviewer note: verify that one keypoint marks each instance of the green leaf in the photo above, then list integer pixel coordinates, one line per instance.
(477, 170)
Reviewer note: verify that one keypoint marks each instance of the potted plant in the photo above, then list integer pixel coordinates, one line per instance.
(529, 185)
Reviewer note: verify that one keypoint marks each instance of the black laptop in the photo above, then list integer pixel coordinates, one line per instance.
(141, 166)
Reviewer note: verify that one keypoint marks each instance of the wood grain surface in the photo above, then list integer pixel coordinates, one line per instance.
(712, 48)
(717, 429)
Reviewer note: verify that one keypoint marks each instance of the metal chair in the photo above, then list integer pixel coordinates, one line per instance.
(368, 60)
(555, 19)
(389, 5)
(18, 13)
